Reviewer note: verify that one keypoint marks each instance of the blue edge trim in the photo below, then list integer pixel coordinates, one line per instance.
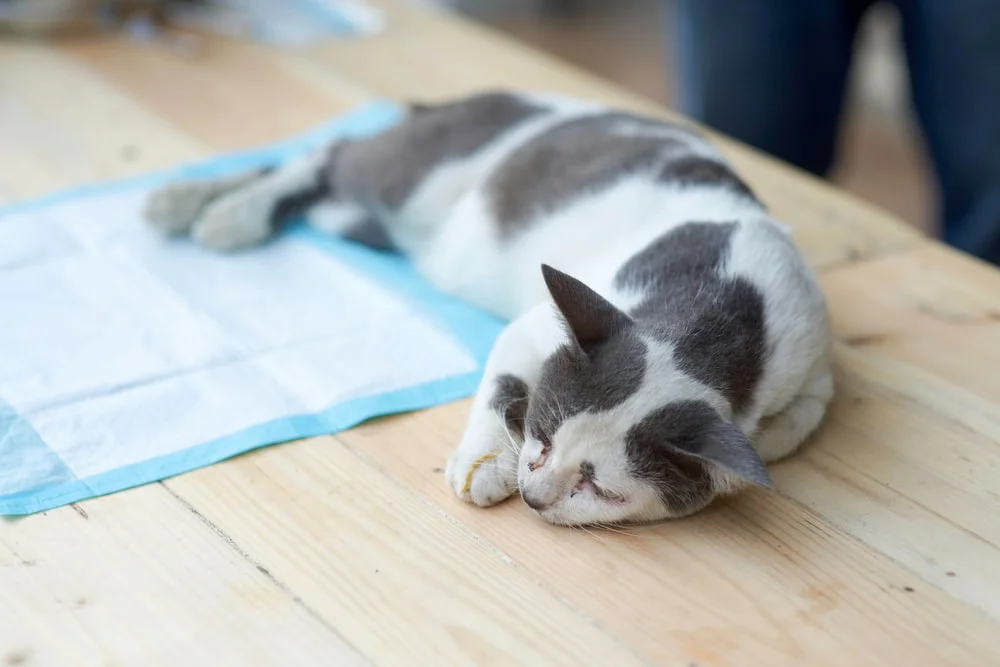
(475, 329)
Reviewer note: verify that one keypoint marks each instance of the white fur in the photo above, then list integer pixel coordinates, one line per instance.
(335, 218)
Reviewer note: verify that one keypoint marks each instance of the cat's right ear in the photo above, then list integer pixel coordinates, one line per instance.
(590, 318)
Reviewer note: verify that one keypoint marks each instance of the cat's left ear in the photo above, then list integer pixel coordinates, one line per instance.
(721, 442)
(590, 317)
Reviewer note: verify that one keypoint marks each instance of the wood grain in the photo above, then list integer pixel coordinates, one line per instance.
(62, 125)
(400, 580)
(140, 578)
(880, 547)
(746, 568)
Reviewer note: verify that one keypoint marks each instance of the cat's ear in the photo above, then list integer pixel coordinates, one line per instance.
(590, 318)
(724, 444)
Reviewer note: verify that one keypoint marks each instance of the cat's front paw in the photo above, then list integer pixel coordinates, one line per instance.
(483, 478)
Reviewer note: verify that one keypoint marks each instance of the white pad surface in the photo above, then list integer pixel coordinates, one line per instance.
(127, 357)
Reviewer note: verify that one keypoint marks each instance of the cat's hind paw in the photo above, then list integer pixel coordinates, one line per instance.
(174, 208)
(237, 220)
(485, 479)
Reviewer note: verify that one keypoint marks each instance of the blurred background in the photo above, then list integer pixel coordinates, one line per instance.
(880, 156)
(881, 152)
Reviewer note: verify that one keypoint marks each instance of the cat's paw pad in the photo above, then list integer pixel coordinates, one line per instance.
(174, 208)
(235, 221)
(484, 480)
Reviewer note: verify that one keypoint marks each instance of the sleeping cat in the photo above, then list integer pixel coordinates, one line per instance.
(666, 337)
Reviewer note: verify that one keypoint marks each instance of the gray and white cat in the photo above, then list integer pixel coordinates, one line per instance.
(666, 337)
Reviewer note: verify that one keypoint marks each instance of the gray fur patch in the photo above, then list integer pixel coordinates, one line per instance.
(669, 448)
(370, 233)
(590, 153)
(716, 324)
(510, 401)
(698, 170)
(576, 157)
(662, 450)
(573, 381)
(292, 204)
(382, 171)
(681, 480)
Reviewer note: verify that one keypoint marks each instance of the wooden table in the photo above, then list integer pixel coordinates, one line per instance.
(880, 547)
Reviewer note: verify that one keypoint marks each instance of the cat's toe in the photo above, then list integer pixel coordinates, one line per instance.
(484, 480)
(233, 222)
(174, 208)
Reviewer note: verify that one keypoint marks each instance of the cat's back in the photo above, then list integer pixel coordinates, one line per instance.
(583, 193)
(586, 151)
(737, 303)
(581, 187)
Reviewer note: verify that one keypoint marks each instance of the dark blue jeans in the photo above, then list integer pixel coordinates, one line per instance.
(772, 73)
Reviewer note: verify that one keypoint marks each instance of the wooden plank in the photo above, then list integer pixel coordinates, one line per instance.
(60, 125)
(907, 463)
(397, 577)
(935, 308)
(756, 579)
(139, 579)
(232, 95)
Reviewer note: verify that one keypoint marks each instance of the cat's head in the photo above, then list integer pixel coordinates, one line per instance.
(615, 432)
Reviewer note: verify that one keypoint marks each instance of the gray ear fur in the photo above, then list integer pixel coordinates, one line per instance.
(725, 445)
(590, 318)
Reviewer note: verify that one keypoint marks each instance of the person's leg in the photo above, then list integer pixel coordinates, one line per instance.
(770, 73)
(953, 49)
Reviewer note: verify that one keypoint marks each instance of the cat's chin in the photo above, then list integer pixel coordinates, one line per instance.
(633, 513)
(560, 516)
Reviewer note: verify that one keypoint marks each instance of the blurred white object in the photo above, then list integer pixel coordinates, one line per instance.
(279, 22)
(293, 23)
(126, 357)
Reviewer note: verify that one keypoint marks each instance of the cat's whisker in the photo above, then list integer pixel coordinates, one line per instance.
(592, 534)
(507, 466)
(615, 528)
(543, 398)
(562, 411)
(511, 443)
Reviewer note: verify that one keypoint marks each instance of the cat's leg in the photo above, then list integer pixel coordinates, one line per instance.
(173, 208)
(350, 221)
(483, 469)
(253, 213)
(784, 432)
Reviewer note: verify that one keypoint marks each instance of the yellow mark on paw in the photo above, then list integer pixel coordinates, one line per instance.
(475, 465)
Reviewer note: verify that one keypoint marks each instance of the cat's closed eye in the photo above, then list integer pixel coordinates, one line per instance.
(588, 482)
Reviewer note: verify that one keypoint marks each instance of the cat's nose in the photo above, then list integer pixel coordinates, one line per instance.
(534, 502)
